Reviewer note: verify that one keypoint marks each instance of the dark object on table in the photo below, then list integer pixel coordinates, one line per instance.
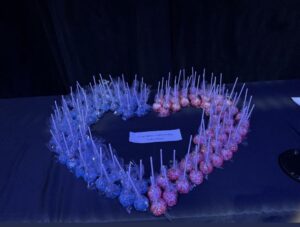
(289, 162)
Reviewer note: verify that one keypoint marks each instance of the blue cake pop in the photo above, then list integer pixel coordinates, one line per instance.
(126, 198)
(141, 203)
(142, 185)
(79, 172)
(101, 184)
(114, 175)
(112, 190)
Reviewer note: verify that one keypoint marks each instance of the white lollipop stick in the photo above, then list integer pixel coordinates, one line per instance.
(203, 74)
(105, 173)
(152, 171)
(158, 87)
(207, 154)
(174, 159)
(111, 153)
(188, 152)
(119, 165)
(132, 184)
(81, 156)
(221, 77)
(72, 97)
(238, 98)
(233, 87)
(162, 87)
(161, 160)
(57, 110)
(197, 88)
(250, 112)
(141, 170)
(56, 140)
(54, 124)
(66, 145)
(196, 151)
(178, 82)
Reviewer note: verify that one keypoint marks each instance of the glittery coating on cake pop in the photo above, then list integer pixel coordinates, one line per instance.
(126, 198)
(154, 192)
(158, 207)
(196, 177)
(183, 186)
(141, 203)
(170, 197)
(174, 173)
(206, 168)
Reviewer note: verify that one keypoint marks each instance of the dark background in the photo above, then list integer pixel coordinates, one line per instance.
(47, 45)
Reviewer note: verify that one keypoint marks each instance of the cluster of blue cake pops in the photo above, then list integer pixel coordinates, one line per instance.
(89, 158)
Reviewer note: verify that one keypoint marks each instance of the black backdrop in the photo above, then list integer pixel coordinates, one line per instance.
(46, 46)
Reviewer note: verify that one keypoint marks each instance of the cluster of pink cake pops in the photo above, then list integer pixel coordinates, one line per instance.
(214, 143)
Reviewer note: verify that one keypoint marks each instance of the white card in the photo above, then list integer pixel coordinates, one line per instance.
(296, 100)
(155, 136)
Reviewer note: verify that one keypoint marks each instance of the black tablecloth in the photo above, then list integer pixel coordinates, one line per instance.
(35, 187)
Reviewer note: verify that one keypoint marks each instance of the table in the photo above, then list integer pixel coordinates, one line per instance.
(251, 187)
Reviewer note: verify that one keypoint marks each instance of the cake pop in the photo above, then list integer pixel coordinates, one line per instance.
(154, 192)
(162, 179)
(127, 196)
(174, 172)
(112, 190)
(182, 184)
(226, 151)
(195, 100)
(175, 98)
(158, 207)
(142, 185)
(205, 166)
(141, 203)
(170, 197)
(196, 176)
(196, 155)
(184, 101)
(216, 157)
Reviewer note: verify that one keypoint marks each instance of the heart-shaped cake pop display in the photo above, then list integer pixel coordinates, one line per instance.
(98, 164)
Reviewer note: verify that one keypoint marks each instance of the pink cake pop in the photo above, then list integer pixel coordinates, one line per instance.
(175, 106)
(200, 138)
(195, 175)
(170, 197)
(206, 166)
(157, 99)
(184, 101)
(217, 160)
(154, 192)
(186, 163)
(164, 112)
(167, 101)
(158, 207)
(196, 155)
(182, 184)
(226, 151)
(216, 157)
(162, 179)
(195, 100)
(170, 193)
(174, 172)
(175, 99)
